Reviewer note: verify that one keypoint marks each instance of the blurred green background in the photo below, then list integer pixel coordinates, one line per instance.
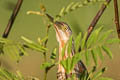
(32, 27)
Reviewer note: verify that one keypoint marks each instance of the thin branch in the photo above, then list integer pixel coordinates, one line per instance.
(117, 17)
(45, 56)
(96, 18)
(12, 19)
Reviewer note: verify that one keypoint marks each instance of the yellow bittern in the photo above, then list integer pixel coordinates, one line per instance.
(63, 34)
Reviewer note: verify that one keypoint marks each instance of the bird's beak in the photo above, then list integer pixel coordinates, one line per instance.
(50, 18)
(57, 25)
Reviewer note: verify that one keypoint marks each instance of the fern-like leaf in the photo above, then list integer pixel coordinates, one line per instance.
(73, 6)
(78, 42)
(33, 45)
(107, 50)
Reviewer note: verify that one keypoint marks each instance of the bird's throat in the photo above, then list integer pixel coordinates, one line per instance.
(61, 46)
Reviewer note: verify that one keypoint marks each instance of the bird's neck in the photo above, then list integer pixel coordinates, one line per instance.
(62, 45)
(60, 67)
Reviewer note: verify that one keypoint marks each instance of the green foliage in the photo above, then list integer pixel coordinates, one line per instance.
(69, 63)
(75, 5)
(95, 46)
(100, 53)
(70, 43)
(83, 41)
(46, 65)
(94, 55)
(106, 49)
(5, 75)
(53, 55)
(78, 41)
(35, 46)
(87, 57)
(13, 49)
(99, 73)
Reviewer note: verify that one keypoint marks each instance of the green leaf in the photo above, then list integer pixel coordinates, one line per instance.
(94, 68)
(70, 45)
(9, 50)
(107, 50)
(3, 40)
(27, 40)
(93, 37)
(94, 55)
(68, 8)
(100, 53)
(15, 51)
(12, 49)
(83, 42)
(76, 5)
(115, 40)
(68, 64)
(19, 75)
(53, 55)
(77, 57)
(106, 34)
(63, 63)
(87, 57)
(72, 63)
(33, 45)
(46, 65)
(22, 50)
(44, 39)
(80, 5)
(90, 40)
(6, 74)
(62, 11)
(98, 74)
(97, 32)
(77, 42)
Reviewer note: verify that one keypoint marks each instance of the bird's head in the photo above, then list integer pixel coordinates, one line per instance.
(63, 32)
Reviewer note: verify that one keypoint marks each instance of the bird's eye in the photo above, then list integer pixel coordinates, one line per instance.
(64, 28)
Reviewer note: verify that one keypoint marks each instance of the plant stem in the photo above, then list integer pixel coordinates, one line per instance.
(45, 58)
(117, 17)
(45, 75)
(96, 18)
(12, 19)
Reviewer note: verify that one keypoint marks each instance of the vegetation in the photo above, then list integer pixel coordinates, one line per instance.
(93, 45)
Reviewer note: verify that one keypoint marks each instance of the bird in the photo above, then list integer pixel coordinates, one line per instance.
(63, 34)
